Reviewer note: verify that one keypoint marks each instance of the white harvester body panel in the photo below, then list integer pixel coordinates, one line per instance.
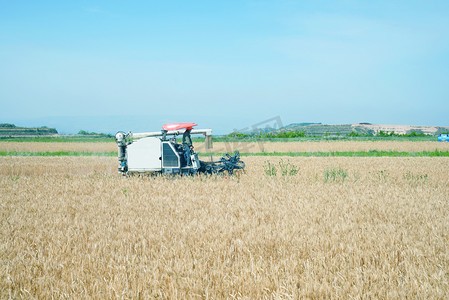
(153, 152)
(144, 155)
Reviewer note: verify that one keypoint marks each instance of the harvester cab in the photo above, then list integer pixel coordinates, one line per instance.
(156, 153)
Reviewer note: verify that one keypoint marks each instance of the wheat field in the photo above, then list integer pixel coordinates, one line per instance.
(378, 228)
(248, 147)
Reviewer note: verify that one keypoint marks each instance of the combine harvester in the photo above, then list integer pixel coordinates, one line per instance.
(155, 153)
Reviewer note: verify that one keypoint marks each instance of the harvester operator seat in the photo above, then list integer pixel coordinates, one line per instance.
(187, 144)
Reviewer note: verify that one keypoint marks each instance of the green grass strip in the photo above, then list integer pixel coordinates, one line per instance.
(102, 139)
(58, 139)
(371, 153)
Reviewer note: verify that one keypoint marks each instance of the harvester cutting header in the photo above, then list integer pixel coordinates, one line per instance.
(156, 153)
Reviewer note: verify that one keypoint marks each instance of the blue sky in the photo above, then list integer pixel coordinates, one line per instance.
(135, 65)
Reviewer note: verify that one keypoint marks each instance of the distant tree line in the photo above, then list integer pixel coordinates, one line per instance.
(7, 129)
(269, 135)
(84, 132)
(7, 125)
(303, 133)
(387, 134)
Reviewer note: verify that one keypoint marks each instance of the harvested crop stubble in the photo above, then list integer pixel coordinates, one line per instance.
(55, 147)
(326, 146)
(71, 227)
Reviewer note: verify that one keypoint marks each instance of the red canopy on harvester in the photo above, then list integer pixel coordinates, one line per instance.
(176, 126)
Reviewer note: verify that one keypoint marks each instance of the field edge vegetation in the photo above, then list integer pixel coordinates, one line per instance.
(370, 153)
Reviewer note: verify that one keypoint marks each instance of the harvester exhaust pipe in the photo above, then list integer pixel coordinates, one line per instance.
(208, 142)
